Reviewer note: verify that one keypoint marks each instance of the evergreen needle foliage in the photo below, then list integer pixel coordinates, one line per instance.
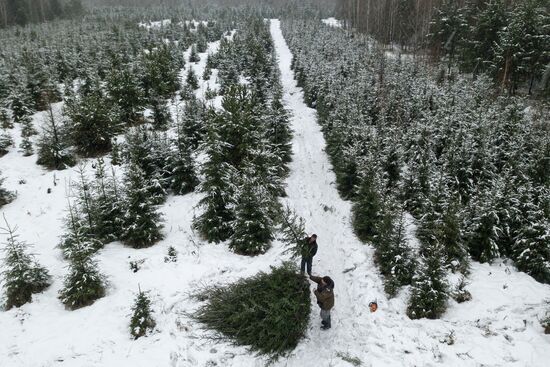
(142, 320)
(253, 225)
(367, 208)
(392, 254)
(6, 141)
(142, 223)
(23, 276)
(6, 196)
(268, 312)
(84, 284)
(293, 232)
(430, 290)
(54, 151)
(192, 79)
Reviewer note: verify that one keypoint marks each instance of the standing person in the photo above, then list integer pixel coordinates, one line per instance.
(325, 298)
(309, 251)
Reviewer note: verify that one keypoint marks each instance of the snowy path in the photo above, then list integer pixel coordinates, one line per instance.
(312, 192)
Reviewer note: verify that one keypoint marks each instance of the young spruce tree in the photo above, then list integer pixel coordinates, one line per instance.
(393, 255)
(367, 207)
(141, 222)
(22, 274)
(183, 177)
(214, 223)
(6, 142)
(253, 225)
(142, 320)
(54, 151)
(84, 284)
(192, 79)
(430, 290)
(95, 120)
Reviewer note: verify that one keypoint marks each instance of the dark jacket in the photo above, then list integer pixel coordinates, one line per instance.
(324, 294)
(312, 248)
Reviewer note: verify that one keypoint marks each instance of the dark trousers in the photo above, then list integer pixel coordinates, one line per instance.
(325, 317)
(309, 262)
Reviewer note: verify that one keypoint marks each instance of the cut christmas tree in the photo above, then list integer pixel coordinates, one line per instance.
(268, 312)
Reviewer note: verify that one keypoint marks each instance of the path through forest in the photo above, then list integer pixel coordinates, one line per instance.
(312, 193)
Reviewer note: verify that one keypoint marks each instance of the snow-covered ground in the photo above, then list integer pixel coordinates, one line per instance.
(332, 22)
(156, 24)
(499, 327)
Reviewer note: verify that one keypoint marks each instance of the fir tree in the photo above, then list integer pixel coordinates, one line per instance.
(531, 251)
(202, 44)
(448, 30)
(20, 105)
(393, 256)
(429, 291)
(26, 146)
(5, 119)
(141, 221)
(480, 50)
(192, 79)
(142, 320)
(172, 255)
(366, 210)
(451, 237)
(228, 76)
(23, 276)
(84, 284)
(187, 92)
(192, 123)
(161, 115)
(95, 120)
(209, 93)
(151, 152)
(253, 225)
(54, 151)
(182, 168)
(483, 230)
(6, 142)
(79, 238)
(116, 158)
(518, 56)
(207, 73)
(161, 72)
(278, 302)
(194, 56)
(86, 208)
(268, 169)
(108, 204)
(6, 196)
(417, 181)
(239, 125)
(40, 87)
(441, 223)
(293, 233)
(27, 128)
(279, 133)
(123, 86)
(214, 223)
(210, 64)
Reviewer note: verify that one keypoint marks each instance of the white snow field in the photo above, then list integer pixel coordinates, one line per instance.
(499, 327)
(332, 22)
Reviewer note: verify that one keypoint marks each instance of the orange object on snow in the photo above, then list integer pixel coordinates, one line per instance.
(373, 306)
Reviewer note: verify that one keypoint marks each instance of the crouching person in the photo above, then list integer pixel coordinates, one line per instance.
(325, 298)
